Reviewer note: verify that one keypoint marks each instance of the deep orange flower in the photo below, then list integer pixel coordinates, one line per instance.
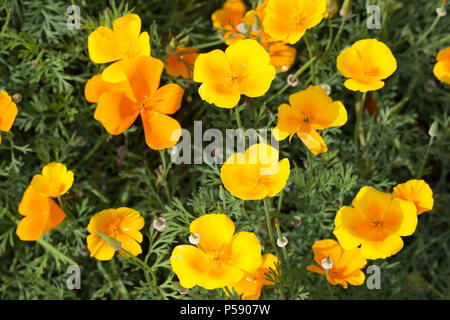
(227, 19)
(416, 191)
(442, 67)
(340, 266)
(41, 215)
(288, 20)
(242, 69)
(121, 43)
(119, 104)
(123, 225)
(181, 63)
(8, 112)
(250, 285)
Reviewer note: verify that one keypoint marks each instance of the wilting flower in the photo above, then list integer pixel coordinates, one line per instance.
(119, 104)
(227, 19)
(242, 69)
(181, 63)
(309, 110)
(416, 191)
(41, 214)
(54, 181)
(123, 225)
(376, 221)
(442, 67)
(250, 285)
(340, 266)
(287, 20)
(8, 112)
(367, 62)
(121, 43)
(221, 258)
(255, 174)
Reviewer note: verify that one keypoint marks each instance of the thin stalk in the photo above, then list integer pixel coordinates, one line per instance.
(425, 158)
(238, 117)
(425, 35)
(58, 254)
(358, 129)
(310, 52)
(280, 236)
(144, 267)
(269, 227)
(338, 35)
(209, 44)
(164, 175)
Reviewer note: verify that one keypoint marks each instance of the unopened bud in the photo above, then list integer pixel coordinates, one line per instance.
(346, 10)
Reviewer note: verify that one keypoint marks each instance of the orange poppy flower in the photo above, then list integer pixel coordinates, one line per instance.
(416, 191)
(282, 56)
(41, 214)
(54, 181)
(227, 19)
(119, 104)
(122, 224)
(221, 259)
(8, 112)
(309, 110)
(367, 62)
(377, 221)
(181, 63)
(242, 69)
(442, 67)
(340, 266)
(255, 174)
(288, 20)
(119, 44)
(250, 285)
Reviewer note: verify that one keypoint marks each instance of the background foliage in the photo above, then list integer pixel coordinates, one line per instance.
(48, 64)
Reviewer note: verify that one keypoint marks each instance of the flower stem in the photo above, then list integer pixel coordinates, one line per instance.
(238, 117)
(280, 236)
(164, 174)
(56, 253)
(358, 129)
(425, 158)
(426, 33)
(143, 266)
(269, 227)
(209, 44)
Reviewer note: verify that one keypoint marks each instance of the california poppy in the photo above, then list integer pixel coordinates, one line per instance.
(8, 112)
(416, 191)
(442, 67)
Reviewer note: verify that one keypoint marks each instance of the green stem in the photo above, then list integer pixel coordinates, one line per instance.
(358, 129)
(310, 52)
(238, 117)
(425, 35)
(425, 158)
(280, 201)
(209, 44)
(56, 253)
(330, 34)
(338, 35)
(280, 236)
(164, 175)
(269, 227)
(144, 267)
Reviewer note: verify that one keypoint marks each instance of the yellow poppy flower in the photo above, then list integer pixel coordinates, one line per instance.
(227, 19)
(416, 191)
(221, 257)
(119, 44)
(442, 67)
(122, 224)
(376, 221)
(54, 181)
(288, 20)
(309, 110)
(255, 174)
(250, 285)
(367, 62)
(8, 112)
(242, 69)
(282, 56)
(340, 266)
(41, 214)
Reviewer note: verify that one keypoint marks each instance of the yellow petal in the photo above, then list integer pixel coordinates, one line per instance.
(54, 181)
(215, 230)
(313, 141)
(246, 251)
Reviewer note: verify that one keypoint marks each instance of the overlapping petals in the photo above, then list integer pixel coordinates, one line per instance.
(345, 265)
(122, 224)
(367, 63)
(256, 174)
(119, 104)
(181, 63)
(242, 69)
(119, 44)
(221, 258)
(442, 67)
(54, 181)
(416, 191)
(309, 110)
(377, 221)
